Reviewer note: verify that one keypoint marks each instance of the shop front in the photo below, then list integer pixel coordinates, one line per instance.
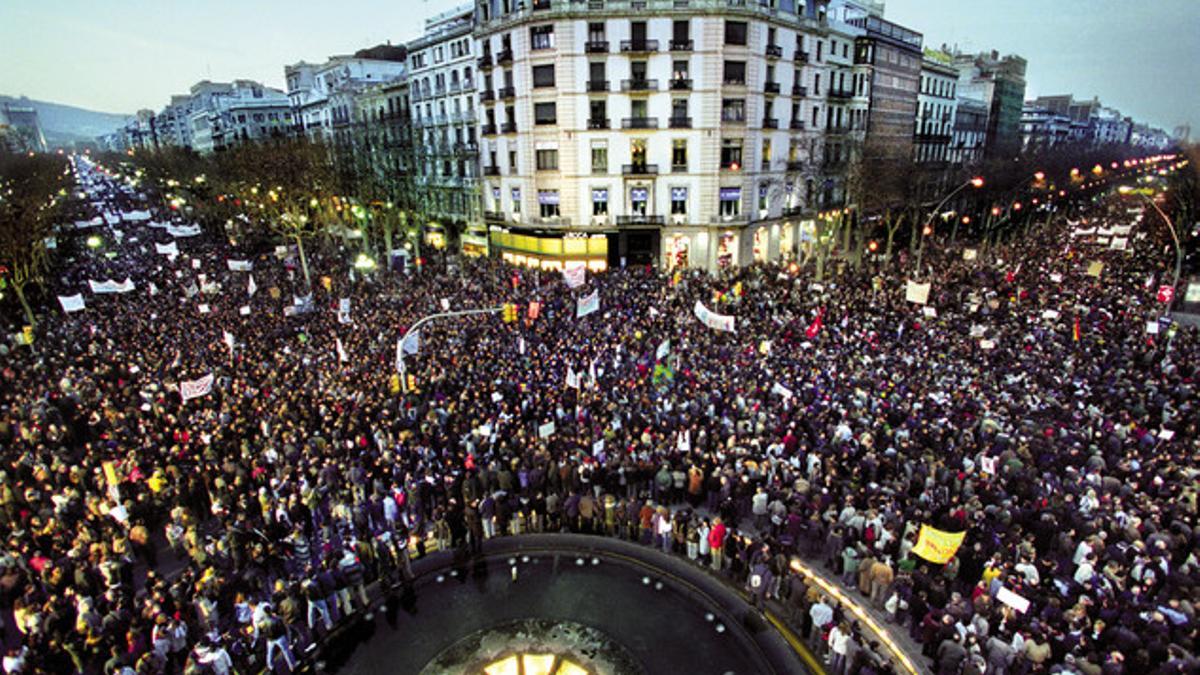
(550, 251)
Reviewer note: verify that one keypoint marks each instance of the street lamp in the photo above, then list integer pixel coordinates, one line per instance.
(1170, 228)
(975, 182)
(94, 241)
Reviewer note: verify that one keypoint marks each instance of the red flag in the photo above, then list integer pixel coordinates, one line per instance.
(1075, 330)
(815, 327)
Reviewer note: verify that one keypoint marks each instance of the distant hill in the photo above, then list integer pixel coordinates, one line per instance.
(65, 123)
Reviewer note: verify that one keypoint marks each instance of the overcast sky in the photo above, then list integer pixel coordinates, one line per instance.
(122, 55)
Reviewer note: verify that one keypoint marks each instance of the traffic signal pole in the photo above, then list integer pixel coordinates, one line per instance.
(442, 315)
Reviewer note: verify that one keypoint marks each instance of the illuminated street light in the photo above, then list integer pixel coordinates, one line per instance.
(364, 262)
(94, 241)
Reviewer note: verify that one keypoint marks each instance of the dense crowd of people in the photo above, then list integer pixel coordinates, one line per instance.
(232, 531)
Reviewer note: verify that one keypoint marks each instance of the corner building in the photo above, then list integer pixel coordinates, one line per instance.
(663, 132)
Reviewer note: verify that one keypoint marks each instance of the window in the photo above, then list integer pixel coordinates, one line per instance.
(733, 110)
(731, 201)
(679, 69)
(596, 31)
(547, 160)
(599, 158)
(599, 202)
(679, 154)
(816, 112)
(679, 30)
(679, 108)
(735, 33)
(638, 109)
(771, 33)
(543, 113)
(598, 113)
(679, 201)
(512, 161)
(548, 203)
(735, 72)
(816, 85)
(762, 197)
(542, 37)
(766, 154)
(638, 198)
(516, 200)
(637, 151)
(543, 76)
(731, 153)
(820, 46)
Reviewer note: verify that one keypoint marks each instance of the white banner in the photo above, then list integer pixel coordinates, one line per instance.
(167, 249)
(970, 254)
(343, 310)
(196, 388)
(251, 287)
(588, 305)
(714, 320)
(412, 342)
(782, 391)
(72, 303)
(546, 430)
(918, 293)
(575, 276)
(341, 351)
(1013, 600)
(183, 230)
(664, 348)
(136, 215)
(572, 378)
(239, 265)
(94, 222)
(111, 286)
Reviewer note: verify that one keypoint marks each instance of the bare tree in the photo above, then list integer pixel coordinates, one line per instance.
(31, 189)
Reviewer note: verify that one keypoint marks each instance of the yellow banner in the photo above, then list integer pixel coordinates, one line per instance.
(937, 546)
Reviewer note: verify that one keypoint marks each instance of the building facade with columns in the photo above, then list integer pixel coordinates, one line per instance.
(666, 132)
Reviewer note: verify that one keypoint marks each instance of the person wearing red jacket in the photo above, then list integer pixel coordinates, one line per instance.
(716, 542)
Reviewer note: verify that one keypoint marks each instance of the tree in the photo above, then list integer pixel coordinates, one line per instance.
(31, 188)
(285, 186)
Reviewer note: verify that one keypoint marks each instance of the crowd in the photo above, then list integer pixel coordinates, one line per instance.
(230, 532)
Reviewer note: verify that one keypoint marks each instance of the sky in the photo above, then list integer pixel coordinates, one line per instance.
(123, 55)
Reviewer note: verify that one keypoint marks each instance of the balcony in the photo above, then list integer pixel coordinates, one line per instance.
(638, 46)
(731, 218)
(491, 171)
(733, 118)
(597, 85)
(487, 96)
(507, 92)
(484, 62)
(844, 94)
(681, 84)
(554, 221)
(734, 82)
(771, 87)
(488, 130)
(681, 45)
(508, 128)
(596, 123)
(540, 5)
(504, 56)
(795, 166)
(639, 85)
(774, 52)
(799, 90)
(796, 125)
(770, 123)
(596, 47)
(639, 123)
(494, 216)
(800, 57)
(641, 219)
(680, 122)
(639, 169)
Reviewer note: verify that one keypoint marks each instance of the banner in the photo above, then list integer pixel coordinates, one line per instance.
(110, 286)
(251, 287)
(341, 351)
(84, 224)
(588, 305)
(183, 230)
(782, 391)
(229, 341)
(572, 378)
(196, 388)
(1013, 600)
(664, 348)
(412, 342)
(1095, 269)
(239, 265)
(136, 215)
(918, 293)
(546, 430)
(714, 320)
(937, 546)
(970, 254)
(575, 276)
(72, 303)
(167, 249)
